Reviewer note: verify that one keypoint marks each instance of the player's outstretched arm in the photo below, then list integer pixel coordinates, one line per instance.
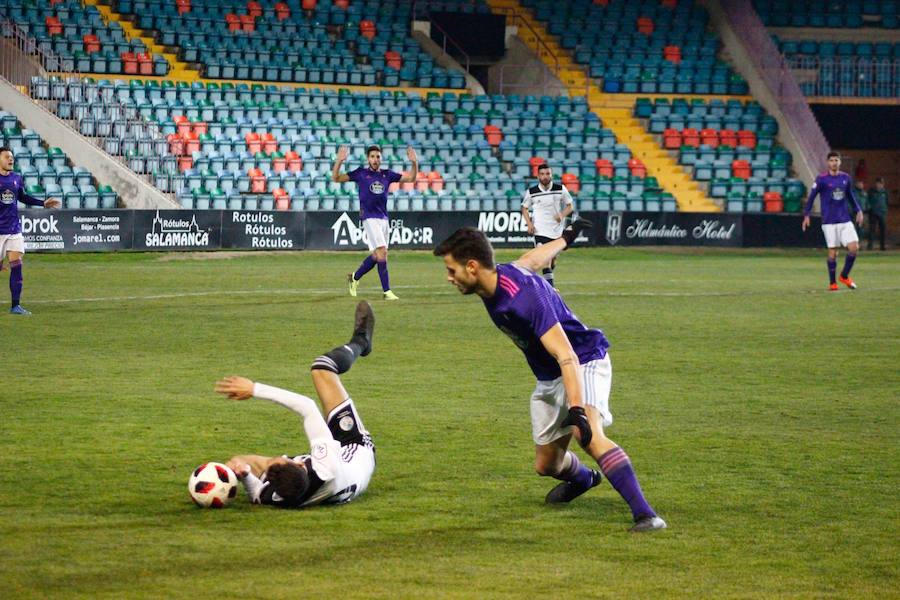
(241, 388)
(538, 258)
(336, 175)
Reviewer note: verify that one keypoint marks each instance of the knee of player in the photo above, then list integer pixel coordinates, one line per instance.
(546, 468)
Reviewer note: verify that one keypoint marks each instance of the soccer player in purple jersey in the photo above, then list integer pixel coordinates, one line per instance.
(834, 188)
(569, 360)
(373, 182)
(12, 244)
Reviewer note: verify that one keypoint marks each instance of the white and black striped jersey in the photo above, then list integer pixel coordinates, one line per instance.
(545, 206)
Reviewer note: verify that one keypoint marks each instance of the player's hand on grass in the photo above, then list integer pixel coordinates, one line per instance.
(52, 203)
(342, 153)
(578, 418)
(411, 154)
(805, 223)
(236, 388)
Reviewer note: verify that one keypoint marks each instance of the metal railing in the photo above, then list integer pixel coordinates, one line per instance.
(846, 76)
(778, 78)
(93, 111)
(445, 38)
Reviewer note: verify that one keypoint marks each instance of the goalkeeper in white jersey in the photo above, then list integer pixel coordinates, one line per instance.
(341, 459)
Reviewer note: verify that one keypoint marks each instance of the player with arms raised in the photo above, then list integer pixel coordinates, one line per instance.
(12, 244)
(373, 182)
(569, 360)
(341, 461)
(834, 189)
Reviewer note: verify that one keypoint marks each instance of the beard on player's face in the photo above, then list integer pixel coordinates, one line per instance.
(374, 160)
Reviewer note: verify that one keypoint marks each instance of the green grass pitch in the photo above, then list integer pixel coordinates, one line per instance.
(760, 411)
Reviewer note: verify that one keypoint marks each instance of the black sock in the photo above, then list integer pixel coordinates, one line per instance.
(340, 359)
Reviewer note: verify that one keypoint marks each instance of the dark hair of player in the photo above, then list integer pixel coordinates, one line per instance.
(289, 480)
(467, 244)
(373, 148)
(5, 149)
(543, 166)
(833, 153)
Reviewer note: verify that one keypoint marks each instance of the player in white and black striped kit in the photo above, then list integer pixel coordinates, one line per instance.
(341, 460)
(551, 204)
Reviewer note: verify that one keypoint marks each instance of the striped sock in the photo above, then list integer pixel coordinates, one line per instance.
(576, 472)
(616, 467)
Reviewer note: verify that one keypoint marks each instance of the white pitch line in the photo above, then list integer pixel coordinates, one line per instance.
(440, 291)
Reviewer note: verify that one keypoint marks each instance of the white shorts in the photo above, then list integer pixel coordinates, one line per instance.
(13, 242)
(376, 232)
(839, 234)
(549, 407)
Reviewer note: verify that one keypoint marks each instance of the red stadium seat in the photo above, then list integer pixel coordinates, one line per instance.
(254, 144)
(129, 63)
(728, 137)
(183, 6)
(254, 9)
(672, 54)
(54, 27)
(422, 182)
(91, 43)
(185, 163)
(345, 4)
(710, 137)
(601, 2)
(773, 202)
(393, 59)
(248, 23)
(436, 182)
(570, 180)
(740, 168)
(604, 167)
(746, 138)
(145, 63)
(308, 4)
(294, 162)
(406, 186)
(191, 142)
(493, 134)
(690, 137)
(282, 200)
(279, 163)
(233, 21)
(534, 162)
(645, 25)
(199, 127)
(282, 11)
(672, 139)
(269, 143)
(257, 181)
(367, 29)
(637, 168)
(176, 145)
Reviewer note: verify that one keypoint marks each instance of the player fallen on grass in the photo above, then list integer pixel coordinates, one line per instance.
(834, 189)
(373, 183)
(569, 360)
(341, 459)
(12, 244)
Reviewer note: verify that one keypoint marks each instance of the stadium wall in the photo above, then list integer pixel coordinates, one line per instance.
(174, 230)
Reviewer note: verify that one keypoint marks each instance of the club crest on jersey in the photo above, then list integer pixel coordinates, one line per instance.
(376, 187)
(838, 194)
(8, 197)
(320, 451)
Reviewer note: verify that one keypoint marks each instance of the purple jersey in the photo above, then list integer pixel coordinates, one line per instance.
(833, 191)
(12, 191)
(373, 190)
(525, 307)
